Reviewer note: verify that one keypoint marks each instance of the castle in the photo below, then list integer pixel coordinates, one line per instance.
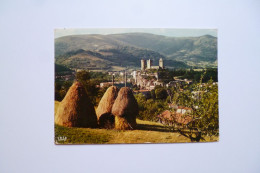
(148, 64)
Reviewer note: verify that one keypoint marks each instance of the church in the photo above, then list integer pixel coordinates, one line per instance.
(148, 64)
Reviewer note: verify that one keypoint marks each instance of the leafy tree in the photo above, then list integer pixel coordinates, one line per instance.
(210, 73)
(203, 99)
(67, 85)
(149, 108)
(89, 84)
(161, 93)
(135, 87)
(83, 76)
(61, 88)
(153, 96)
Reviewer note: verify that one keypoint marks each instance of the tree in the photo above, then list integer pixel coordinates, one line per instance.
(61, 89)
(203, 99)
(153, 96)
(149, 108)
(83, 76)
(66, 85)
(161, 93)
(89, 84)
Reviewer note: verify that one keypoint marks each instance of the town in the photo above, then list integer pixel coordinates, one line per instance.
(146, 78)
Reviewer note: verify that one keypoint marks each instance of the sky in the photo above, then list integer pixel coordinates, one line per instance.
(159, 31)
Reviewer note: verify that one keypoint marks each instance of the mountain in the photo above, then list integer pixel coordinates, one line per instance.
(112, 59)
(104, 51)
(191, 50)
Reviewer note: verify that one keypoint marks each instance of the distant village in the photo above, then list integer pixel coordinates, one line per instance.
(146, 79)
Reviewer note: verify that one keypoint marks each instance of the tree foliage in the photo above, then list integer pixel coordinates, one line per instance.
(203, 99)
(161, 93)
(84, 77)
(149, 108)
(195, 76)
(61, 88)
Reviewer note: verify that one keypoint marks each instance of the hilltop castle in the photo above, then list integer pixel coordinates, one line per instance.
(148, 64)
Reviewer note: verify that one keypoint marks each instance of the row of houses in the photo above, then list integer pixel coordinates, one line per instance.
(178, 82)
(120, 73)
(66, 77)
(148, 80)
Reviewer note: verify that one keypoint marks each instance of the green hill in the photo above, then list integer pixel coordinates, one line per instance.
(128, 49)
(106, 59)
(61, 68)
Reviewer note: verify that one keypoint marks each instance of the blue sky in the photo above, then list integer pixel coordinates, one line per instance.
(159, 31)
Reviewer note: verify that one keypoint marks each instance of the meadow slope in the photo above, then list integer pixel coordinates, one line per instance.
(146, 132)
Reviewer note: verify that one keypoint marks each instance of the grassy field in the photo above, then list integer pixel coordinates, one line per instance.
(146, 132)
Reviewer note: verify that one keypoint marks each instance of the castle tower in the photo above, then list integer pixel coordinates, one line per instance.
(143, 64)
(161, 63)
(149, 63)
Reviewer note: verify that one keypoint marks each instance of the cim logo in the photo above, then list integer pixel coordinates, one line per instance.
(62, 138)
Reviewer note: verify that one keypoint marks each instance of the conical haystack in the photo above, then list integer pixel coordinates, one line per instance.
(76, 110)
(103, 111)
(125, 110)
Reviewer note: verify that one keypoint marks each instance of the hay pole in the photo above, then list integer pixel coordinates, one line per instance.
(125, 78)
(113, 79)
(130, 126)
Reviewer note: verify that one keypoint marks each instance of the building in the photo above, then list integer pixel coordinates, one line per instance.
(155, 67)
(148, 64)
(178, 82)
(183, 110)
(134, 74)
(168, 117)
(161, 63)
(148, 79)
(158, 83)
(143, 64)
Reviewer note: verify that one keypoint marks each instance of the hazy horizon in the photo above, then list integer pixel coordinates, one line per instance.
(158, 31)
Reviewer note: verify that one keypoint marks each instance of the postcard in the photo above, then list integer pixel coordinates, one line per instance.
(134, 85)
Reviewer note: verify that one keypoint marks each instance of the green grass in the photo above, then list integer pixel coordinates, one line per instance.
(80, 136)
(145, 132)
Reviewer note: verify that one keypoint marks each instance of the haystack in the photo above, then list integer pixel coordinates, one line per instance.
(125, 110)
(76, 110)
(103, 111)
